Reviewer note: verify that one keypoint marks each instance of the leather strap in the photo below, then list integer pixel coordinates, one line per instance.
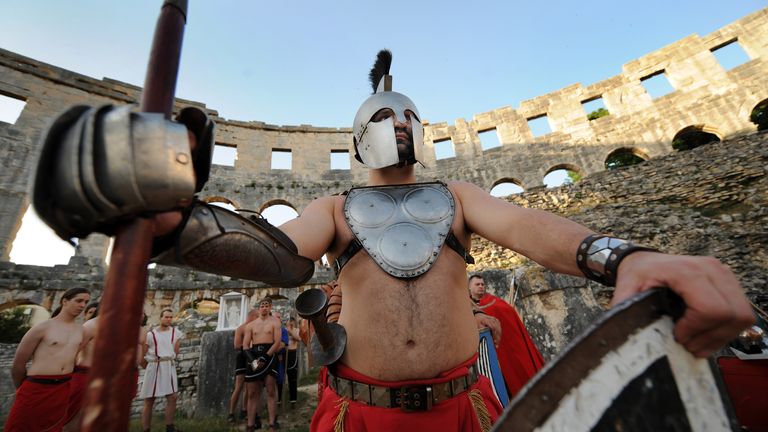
(455, 244)
(354, 247)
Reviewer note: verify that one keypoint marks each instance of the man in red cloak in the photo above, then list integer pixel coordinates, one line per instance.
(518, 356)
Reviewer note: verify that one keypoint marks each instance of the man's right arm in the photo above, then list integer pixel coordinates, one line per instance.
(238, 340)
(24, 352)
(143, 349)
(313, 231)
(247, 338)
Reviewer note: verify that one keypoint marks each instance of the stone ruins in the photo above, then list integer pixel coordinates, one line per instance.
(712, 200)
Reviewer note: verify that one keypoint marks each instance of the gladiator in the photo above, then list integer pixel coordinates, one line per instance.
(42, 390)
(240, 367)
(261, 344)
(399, 246)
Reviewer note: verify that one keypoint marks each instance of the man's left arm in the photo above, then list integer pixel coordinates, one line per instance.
(717, 307)
(276, 337)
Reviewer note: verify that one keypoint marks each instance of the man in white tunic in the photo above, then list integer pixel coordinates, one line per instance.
(160, 350)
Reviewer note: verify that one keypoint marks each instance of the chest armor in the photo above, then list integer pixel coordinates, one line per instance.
(401, 227)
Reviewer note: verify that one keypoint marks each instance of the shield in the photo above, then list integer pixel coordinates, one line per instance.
(488, 365)
(625, 373)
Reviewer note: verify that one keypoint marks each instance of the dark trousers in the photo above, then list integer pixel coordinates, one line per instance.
(293, 373)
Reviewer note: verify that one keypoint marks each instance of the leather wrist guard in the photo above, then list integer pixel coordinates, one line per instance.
(216, 240)
(599, 256)
(102, 166)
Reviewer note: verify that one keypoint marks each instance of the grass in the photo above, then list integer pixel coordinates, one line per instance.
(294, 419)
(310, 377)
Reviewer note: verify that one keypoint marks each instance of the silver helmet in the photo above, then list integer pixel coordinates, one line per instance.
(375, 142)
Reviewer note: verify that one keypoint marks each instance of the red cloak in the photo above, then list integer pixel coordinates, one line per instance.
(518, 356)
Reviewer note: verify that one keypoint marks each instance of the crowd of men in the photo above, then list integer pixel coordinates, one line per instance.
(60, 352)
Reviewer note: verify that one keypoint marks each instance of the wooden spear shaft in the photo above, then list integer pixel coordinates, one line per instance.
(112, 379)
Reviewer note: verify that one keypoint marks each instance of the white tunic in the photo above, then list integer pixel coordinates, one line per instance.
(160, 376)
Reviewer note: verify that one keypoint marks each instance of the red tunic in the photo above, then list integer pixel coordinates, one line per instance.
(76, 391)
(38, 406)
(518, 356)
(455, 414)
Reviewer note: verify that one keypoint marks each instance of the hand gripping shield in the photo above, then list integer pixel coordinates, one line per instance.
(101, 166)
(626, 372)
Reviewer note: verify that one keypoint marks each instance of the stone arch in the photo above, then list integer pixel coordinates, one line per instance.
(35, 313)
(759, 115)
(694, 136)
(220, 199)
(625, 156)
(507, 181)
(19, 302)
(281, 215)
(277, 201)
(564, 166)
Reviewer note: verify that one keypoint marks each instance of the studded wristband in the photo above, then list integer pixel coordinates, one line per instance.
(599, 256)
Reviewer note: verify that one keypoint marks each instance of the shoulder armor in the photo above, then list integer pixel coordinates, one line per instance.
(216, 240)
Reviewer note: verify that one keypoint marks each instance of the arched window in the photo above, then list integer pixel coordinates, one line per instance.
(562, 174)
(694, 136)
(624, 157)
(506, 187)
(222, 202)
(759, 115)
(278, 212)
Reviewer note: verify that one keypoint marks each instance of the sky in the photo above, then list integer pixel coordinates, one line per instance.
(306, 62)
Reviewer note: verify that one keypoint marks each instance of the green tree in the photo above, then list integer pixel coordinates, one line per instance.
(759, 115)
(573, 177)
(596, 114)
(13, 325)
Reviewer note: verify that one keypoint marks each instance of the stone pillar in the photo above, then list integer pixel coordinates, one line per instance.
(93, 246)
(555, 308)
(215, 380)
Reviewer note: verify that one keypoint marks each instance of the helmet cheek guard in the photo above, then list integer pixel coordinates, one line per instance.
(375, 143)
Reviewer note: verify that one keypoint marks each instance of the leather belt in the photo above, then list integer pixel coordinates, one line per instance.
(408, 398)
(37, 380)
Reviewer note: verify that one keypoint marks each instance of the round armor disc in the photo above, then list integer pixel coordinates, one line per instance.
(372, 209)
(427, 205)
(405, 246)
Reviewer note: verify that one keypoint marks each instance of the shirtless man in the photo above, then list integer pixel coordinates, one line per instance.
(83, 365)
(240, 366)
(42, 390)
(400, 249)
(261, 342)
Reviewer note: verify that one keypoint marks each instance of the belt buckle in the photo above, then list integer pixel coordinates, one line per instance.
(411, 399)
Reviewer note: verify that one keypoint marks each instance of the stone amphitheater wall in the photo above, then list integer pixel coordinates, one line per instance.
(705, 95)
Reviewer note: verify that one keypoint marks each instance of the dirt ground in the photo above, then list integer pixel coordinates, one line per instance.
(291, 418)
